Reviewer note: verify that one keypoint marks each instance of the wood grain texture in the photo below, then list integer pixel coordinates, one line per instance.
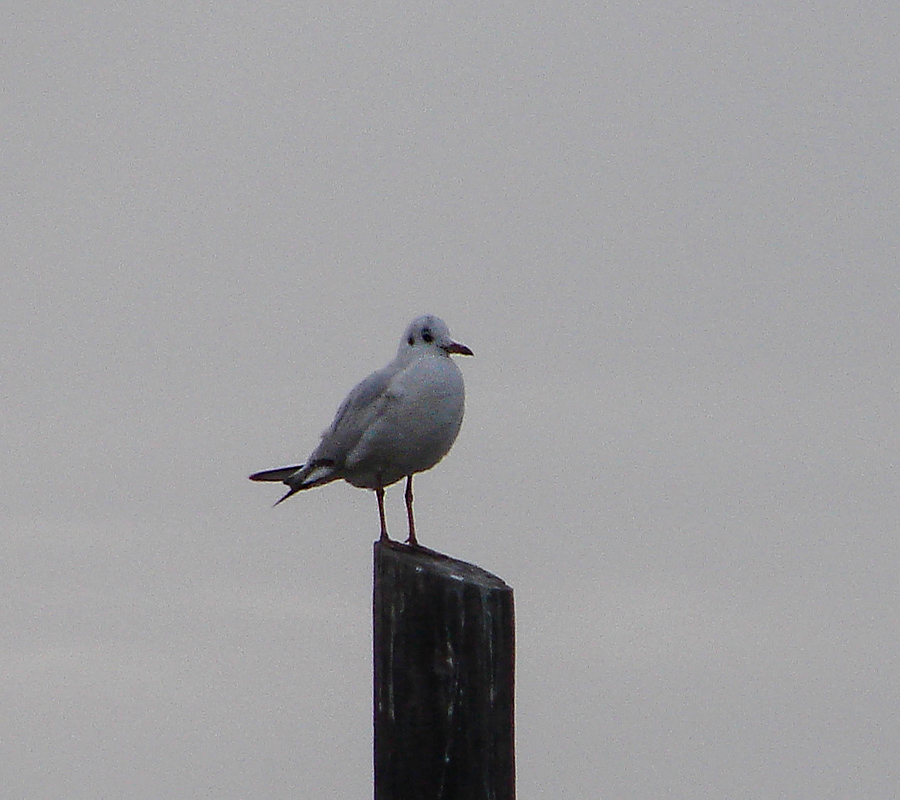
(444, 638)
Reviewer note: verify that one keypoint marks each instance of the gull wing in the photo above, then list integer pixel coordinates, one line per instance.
(355, 415)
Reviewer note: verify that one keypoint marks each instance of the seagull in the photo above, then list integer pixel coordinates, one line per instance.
(400, 420)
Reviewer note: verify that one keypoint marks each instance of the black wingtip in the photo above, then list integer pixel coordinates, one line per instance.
(293, 490)
(277, 475)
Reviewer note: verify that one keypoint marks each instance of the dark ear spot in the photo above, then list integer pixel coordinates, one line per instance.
(411, 341)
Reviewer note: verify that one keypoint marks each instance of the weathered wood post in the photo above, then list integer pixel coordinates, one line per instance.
(444, 659)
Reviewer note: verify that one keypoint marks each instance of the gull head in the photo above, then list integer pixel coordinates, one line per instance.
(429, 335)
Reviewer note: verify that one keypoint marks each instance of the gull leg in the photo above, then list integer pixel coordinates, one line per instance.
(411, 541)
(379, 493)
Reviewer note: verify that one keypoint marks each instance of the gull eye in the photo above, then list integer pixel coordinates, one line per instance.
(427, 337)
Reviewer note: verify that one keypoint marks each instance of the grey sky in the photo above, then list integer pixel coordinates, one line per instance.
(668, 231)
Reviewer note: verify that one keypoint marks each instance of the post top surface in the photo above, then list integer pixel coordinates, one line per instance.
(438, 563)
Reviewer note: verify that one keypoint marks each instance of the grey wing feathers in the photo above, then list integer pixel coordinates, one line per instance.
(351, 421)
(343, 430)
(353, 418)
(363, 396)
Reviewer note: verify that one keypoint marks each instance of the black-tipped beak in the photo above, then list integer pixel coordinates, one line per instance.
(458, 349)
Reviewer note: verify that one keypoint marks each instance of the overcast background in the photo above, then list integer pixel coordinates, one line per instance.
(669, 231)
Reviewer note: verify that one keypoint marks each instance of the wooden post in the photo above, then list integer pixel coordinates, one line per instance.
(444, 649)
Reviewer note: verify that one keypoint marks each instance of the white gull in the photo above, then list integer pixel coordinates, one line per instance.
(400, 420)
